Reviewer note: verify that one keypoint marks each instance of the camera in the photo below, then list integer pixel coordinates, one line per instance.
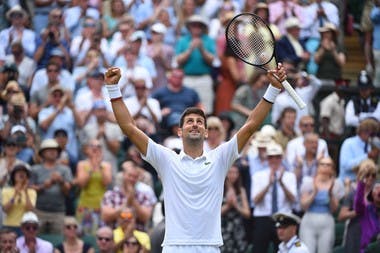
(51, 35)
(18, 111)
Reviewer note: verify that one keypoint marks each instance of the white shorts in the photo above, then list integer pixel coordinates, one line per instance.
(190, 249)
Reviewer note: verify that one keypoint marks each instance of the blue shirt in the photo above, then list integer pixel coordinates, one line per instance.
(375, 18)
(321, 202)
(351, 154)
(195, 65)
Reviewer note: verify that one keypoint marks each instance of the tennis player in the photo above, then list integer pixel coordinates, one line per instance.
(192, 180)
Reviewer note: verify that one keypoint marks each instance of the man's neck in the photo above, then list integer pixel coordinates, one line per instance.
(193, 151)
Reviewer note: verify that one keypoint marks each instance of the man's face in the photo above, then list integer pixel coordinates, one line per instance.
(193, 128)
(285, 233)
(7, 242)
(29, 229)
(104, 240)
(131, 174)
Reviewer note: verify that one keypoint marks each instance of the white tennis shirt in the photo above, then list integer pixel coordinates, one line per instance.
(193, 192)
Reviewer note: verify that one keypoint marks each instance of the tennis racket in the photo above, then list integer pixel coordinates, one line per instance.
(252, 41)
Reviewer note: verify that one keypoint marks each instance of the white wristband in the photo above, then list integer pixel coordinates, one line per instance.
(114, 91)
(271, 94)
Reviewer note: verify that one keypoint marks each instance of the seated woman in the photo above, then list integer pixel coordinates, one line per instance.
(71, 242)
(319, 200)
(18, 198)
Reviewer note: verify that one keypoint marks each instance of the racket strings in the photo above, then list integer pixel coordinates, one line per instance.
(250, 39)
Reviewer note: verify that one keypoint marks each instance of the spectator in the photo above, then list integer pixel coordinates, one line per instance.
(195, 53)
(121, 37)
(366, 211)
(10, 88)
(104, 240)
(175, 97)
(356, 148)
(61, 113)
(330, 56)
(111, 21)
(87, 96)
(18, 31)
(27, 64)
(286, 127)
(51, 180)
(281, 10)
(366, 105)
(41, 14)
(126, 231)
(71, 241)
(93, 177)
(216, 133)
(8, 160)
(315, 16)
(332, 110)
(368, 171)
(142, 105)
(305, 85)
(90, 38)
(184, 12)
(274, 190)
(319, 199)
(49, 43)
(8, 241)
(132, 193)
(157, 233)
(289, 46)
(246, 97)
(18, 198)
(76, 16)
(56, 17)
(106, 132)
(235, 207)
(161, 53)
(295, 147)
(375, 18)
(29, 242)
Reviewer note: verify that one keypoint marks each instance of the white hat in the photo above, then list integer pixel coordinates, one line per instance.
(197, 19)
(159, 28)
(29, 217)
(286, 219)
(274, 149)
(137, 35)
(292, 22)
(18, 128)
(268, 130)
(16, 9)
(261, 140)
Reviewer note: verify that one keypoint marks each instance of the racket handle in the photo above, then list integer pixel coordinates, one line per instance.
(301, 104)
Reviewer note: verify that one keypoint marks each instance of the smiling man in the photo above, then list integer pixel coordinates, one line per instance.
(193, 180)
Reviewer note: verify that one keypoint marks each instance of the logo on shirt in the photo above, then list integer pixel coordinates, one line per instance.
(207, 163)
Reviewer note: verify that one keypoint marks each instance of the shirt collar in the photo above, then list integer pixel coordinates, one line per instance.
(290, 243)
(183, 156)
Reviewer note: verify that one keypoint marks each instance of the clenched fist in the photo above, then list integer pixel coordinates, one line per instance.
(112, 75)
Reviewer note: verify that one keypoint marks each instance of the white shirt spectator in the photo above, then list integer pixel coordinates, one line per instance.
(40, 79)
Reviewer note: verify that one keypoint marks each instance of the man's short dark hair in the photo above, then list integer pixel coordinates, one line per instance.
(192, 110)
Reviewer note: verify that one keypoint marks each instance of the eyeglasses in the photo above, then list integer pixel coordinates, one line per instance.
(326, 164)
(307, 124)
(106, 239)
(131, 243)
(71, 226)
(95, 146)
(16, 15)
(89, 25)
(373, 175)
(126, 215)
(31, 228)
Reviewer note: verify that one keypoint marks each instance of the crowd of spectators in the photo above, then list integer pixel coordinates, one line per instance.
(65, 166)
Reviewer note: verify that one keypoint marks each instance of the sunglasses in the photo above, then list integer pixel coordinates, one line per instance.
(373, 175)
(89, 25)
(31, 228)
(131, 243)
(106, 239)
(71, 226)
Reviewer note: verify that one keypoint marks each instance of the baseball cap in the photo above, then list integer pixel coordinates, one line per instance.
(137, 35)
(159, 28)
(18, 128)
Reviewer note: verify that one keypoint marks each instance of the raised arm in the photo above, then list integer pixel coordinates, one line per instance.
(121, 112)
(258, 114)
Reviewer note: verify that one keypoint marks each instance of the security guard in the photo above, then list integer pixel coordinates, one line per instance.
(287, 226)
